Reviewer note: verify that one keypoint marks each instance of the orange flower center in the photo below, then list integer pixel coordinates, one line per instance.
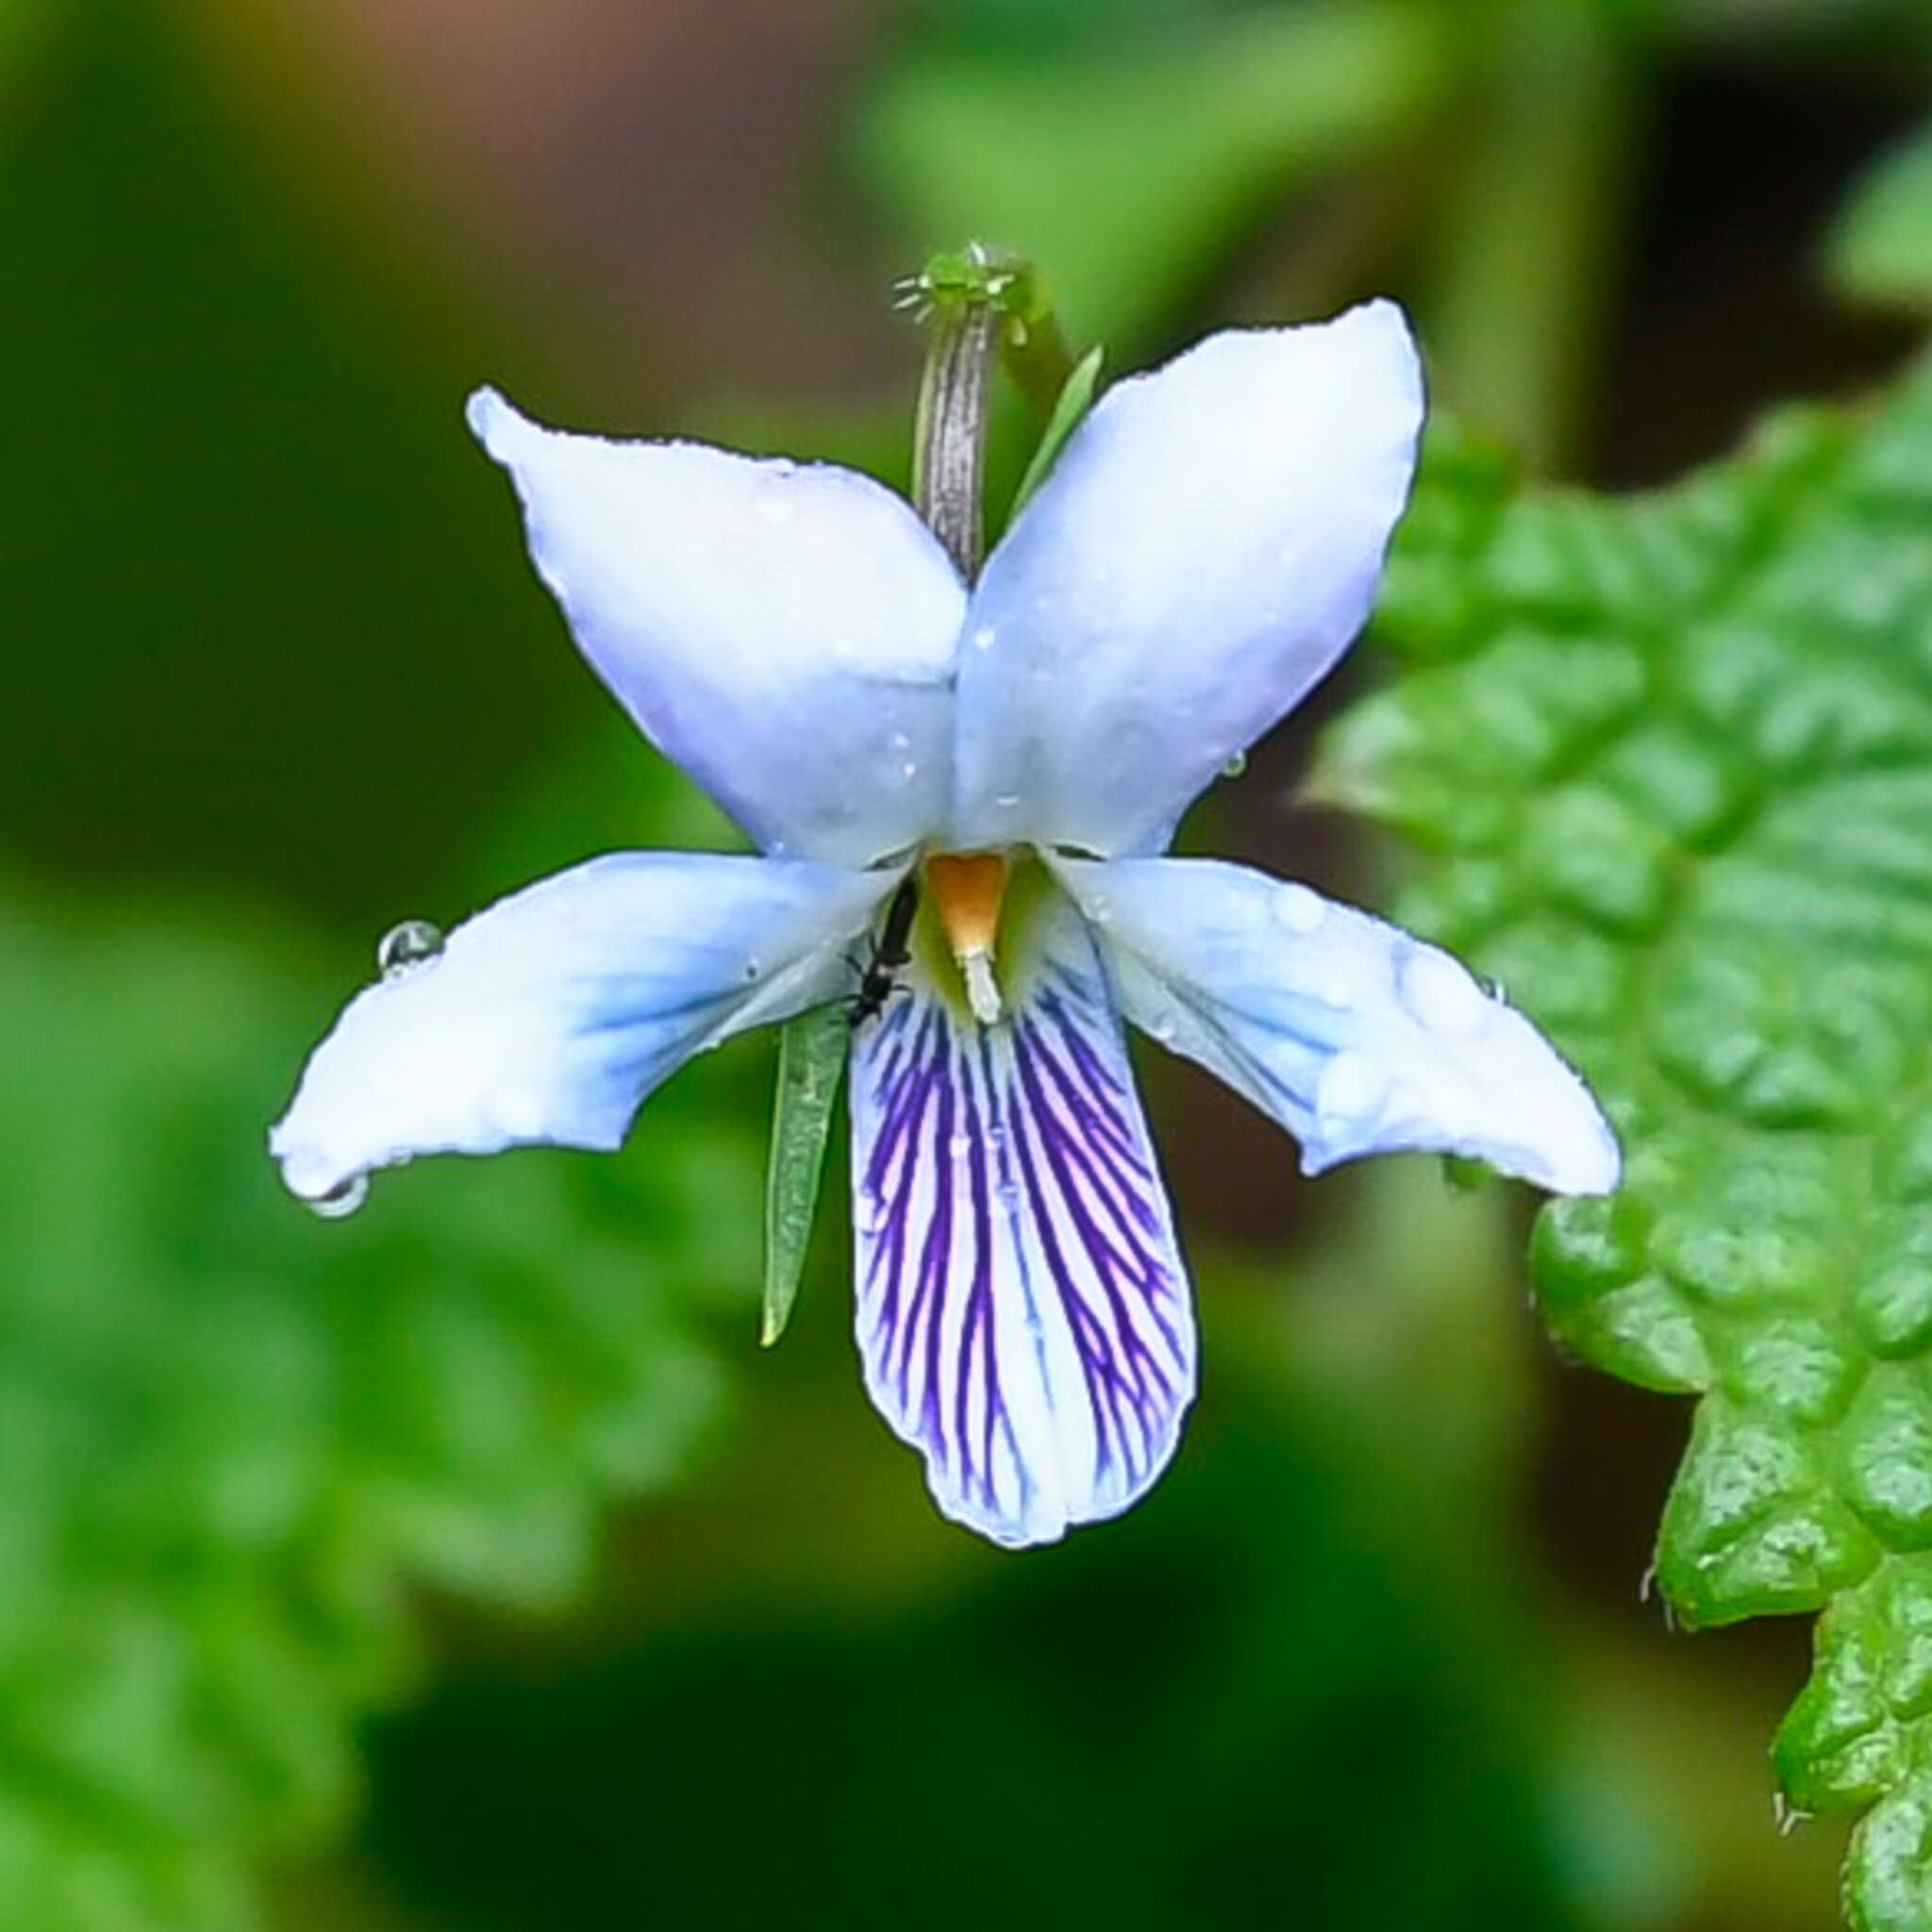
(967, 888)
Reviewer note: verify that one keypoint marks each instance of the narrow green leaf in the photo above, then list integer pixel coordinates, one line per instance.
(1076, 399)
(1672, 759)
(811, 1059)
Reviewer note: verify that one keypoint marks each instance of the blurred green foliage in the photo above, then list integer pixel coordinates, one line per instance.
(229, 1433)
(1881, 248)
(1127, 172)
(1226, 1713)
(246, 540)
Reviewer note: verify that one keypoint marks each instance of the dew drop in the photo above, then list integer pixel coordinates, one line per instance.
(1438, 993)
(1008, 1193)
(1235, 765)
(959, 1146)
(1352, 1087)
(983, 636)
(1297, 908)
(752, 969)
(341, 1201)
(868, 1210)
(411, 944)
(1335, 992)
(1006, 801)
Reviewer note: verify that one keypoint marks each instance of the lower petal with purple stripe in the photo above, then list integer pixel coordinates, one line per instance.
(1024, 1316)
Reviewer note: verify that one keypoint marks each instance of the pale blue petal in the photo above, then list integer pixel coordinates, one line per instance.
(550, 1016)
(1205, 549)
(1358, 1038)
(786, 632)
(1023, 1312)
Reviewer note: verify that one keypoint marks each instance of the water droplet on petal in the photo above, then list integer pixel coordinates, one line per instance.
(752, 969)
(1296, 908)
(1439, 992)
(1352, 1087)
(412, 943)
(1235, 765)
(340, 1201)
(959, 1146)
(1098, 908)
(1334, 990)
(1008, 1193)
(983, 636)
(1006, 801)
(868, 1210)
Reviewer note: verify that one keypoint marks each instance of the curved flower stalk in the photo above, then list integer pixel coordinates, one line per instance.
(1206, 547)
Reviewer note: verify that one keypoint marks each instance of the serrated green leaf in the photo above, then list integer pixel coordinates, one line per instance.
(1671, 758)
(811, 1062)
(1076, 399)
(1880, 247)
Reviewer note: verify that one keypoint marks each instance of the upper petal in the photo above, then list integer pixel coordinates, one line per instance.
(1022, 1311)
(1206, 547)
(1358, 1038)
(550, 1016)
(786, 632)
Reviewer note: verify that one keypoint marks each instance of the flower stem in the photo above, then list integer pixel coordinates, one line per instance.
(979, 304)
(949, 431)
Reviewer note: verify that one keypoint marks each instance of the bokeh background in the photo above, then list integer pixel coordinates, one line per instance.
(464, 1567)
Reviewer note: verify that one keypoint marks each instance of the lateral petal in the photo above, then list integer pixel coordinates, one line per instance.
(784, 631)
(1356, 1037)
(1205, 548)
(1022, 1311)
(548, 1017)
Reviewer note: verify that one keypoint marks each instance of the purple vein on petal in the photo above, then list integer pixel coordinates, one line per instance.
(1126, 1283)
(1023, 1314)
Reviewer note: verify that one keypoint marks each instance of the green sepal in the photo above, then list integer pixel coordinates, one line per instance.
(1076, 398)
(812, 1058)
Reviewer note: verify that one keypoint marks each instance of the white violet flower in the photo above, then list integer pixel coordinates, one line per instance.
(1019, 752)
